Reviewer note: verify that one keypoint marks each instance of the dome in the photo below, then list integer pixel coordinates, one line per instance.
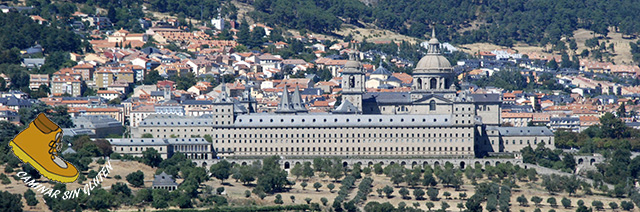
(352, 64)
(432, 62)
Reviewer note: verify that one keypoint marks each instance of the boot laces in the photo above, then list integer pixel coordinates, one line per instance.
(54, 146)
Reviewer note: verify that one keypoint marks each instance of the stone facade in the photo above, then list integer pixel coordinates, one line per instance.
(431, 121)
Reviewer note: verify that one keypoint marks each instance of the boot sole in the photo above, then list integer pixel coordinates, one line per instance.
(27, 159)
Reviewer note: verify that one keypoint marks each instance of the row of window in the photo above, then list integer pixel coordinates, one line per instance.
(341, 141)
(343, 135)
(336, 120)
(331, 149)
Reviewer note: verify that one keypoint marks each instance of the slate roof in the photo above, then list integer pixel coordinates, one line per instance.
(346, 108)
(95, 121)
(197, 102)
(523, 131)
(13, 101)
(486, 97)
(381, 70)
(164, 179)
(388, 97)
(138, 141)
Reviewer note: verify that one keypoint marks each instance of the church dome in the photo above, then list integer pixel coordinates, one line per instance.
(433, 61)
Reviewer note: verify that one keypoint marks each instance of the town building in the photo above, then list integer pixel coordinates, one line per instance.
(164, 181)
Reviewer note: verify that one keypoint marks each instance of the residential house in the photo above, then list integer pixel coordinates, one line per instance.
(10, 115)
(106, 76)
(571, 123)
(86, 70)
(36, 80)
(517, 119)
(108, 95)
(31, 63)
(66, 85)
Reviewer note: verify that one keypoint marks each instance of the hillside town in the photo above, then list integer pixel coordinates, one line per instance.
(120, 63)
(229, 105)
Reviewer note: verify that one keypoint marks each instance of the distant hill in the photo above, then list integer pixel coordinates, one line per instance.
(501, 22)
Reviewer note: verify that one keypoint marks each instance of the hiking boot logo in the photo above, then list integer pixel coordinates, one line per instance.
(40, 145)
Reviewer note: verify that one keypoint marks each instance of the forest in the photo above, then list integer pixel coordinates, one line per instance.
(501, 22)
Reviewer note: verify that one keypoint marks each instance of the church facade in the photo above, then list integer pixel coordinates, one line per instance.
(433, 120)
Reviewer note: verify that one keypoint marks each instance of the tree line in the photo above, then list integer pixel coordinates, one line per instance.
(500, 22)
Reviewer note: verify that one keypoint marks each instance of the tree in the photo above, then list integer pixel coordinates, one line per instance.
(331, 186)
(377, 168)
(536, 200)
(336, 171)
(278, 199)
(147, 135)
(303, 185)
(404, 192)
(136, 179)
(324, 201)
(446, 195)
(580, 202)
(597, 204)
(317, 185)
(30, 196)
(626, 205)
(522, 200)
(460, 206)
(419, 194)
(553, 65)
(152, 78)
(433, 194)
(473, 204)
(552, 202)
(462, 195)
(151, 157)
(272, 178)
(429, 205)
(566, 203)
(613, 205)
(297, 170)
(388, 190)
(293, 198)
(444, 206)
(307, 171)
(221, 170)
(492, 203)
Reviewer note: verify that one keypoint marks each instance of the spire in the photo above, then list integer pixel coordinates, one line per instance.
(434, 44)
(285, 105)
(433, 32)
(223, 97)
(296, 101)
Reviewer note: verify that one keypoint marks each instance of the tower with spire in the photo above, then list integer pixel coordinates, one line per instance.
(353, 83)
(285, 105)
(223, 108)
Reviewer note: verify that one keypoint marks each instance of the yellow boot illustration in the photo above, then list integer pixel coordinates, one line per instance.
(39, 145)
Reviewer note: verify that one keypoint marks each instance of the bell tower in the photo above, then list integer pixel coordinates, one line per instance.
(353, 83)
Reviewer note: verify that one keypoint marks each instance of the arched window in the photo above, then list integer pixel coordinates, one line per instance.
(433, 83)
(352, 81)
(419, 83)
(432, 105)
